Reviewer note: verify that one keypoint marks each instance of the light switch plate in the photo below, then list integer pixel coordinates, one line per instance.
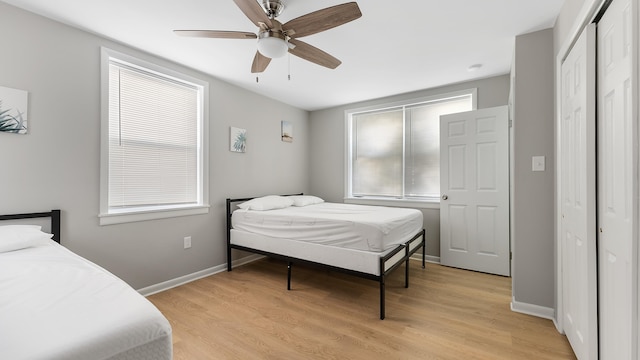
(537, 163)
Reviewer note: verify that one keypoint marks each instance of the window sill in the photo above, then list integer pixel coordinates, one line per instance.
(417, 204)
(144, 215)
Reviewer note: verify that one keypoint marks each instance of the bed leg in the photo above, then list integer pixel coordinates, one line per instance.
(406, 275)
(289, 275)
(424, 248)
(229, 266)
(382, 297)
(406, 269)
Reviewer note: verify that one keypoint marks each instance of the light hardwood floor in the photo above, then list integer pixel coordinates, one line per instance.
(445, 313)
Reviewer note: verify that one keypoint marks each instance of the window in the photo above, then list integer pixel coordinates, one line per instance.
(153, 143)
(394, 150)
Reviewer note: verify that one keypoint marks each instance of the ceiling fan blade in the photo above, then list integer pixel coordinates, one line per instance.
(216, 34)
(322, 20)
(254, 12)
(313, 54)
(260, 63)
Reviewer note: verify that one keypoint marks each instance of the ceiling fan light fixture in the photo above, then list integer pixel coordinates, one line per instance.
(272, 44)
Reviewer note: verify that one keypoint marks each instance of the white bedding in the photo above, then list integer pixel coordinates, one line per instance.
(55, 304)
(356, 260)
(358, 227)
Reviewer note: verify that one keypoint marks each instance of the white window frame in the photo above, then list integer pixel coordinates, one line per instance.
(427, 203)
(108, 217)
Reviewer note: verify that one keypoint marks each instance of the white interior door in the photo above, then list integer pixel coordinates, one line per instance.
(474, 182)
(577, 151)
(617, 171)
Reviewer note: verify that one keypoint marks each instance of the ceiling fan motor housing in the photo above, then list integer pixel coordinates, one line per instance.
(273, 8)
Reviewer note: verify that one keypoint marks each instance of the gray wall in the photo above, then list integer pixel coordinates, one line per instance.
(57, 164)
(327, 128)
(565, 22)
(533, 192)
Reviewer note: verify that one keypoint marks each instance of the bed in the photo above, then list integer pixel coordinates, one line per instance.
(365, 241)
(55, 304)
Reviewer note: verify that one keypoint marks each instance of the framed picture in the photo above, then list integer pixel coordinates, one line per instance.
(13, 110)
(287, 131)
(237, 139)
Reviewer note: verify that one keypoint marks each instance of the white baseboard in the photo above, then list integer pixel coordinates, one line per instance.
(534, 310)
(169, 284)
(428, 258)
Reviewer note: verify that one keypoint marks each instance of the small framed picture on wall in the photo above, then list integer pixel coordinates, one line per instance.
(287, 131)
(237, 139)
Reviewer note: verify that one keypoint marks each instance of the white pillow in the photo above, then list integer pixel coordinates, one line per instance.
(16, 237)
(304, 200)
(268, 202)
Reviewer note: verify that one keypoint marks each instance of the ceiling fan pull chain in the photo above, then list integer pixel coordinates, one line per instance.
(289, 66)
(257, 80)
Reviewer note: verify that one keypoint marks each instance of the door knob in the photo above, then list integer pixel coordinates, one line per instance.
(444, 197)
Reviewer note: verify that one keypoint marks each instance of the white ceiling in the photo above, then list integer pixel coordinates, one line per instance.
(395, 47)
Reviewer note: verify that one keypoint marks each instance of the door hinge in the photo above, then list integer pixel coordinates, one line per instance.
(510, 123)
(510, 255)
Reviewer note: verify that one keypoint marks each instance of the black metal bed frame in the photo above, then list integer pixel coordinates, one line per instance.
(53, 214)
(406, 247)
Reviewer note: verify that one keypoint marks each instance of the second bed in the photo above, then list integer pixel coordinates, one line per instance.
(365, 241)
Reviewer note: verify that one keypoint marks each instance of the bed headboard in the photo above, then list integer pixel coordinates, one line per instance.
(53, 214)
(230, 209)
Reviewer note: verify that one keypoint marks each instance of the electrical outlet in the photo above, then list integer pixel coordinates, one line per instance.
(187, 242)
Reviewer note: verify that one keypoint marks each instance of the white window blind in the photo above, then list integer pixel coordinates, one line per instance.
(377, 149)
(154, 126)
(395, 150)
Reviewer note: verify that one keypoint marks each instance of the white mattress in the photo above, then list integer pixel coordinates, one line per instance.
(55, 304)
(358, 227)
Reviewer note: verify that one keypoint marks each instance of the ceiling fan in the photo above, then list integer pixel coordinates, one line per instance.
(276, 38)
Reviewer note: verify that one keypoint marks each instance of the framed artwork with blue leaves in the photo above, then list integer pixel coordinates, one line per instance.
(237, 139)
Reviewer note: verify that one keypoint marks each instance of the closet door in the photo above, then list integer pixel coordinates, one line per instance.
(617, 183)
(578, 196)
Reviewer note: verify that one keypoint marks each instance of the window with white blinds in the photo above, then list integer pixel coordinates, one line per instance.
(154, 142)
(394, 150)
